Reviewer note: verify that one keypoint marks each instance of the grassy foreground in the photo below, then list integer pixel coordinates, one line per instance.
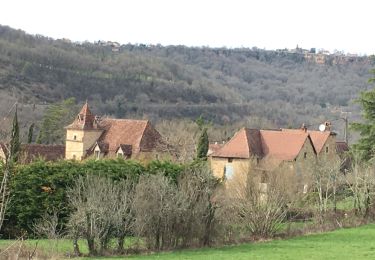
(351, 243)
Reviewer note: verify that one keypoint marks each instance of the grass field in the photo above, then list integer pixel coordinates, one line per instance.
(353, 243)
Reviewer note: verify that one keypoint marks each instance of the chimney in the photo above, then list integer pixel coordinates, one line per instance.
(303, 127)
(328, 126)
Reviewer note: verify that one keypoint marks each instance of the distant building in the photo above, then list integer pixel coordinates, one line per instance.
(267, 150)
(32, 152)
(91, 136)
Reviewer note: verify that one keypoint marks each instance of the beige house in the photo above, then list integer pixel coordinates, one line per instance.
(267, 150)
(91, 136)
(262, 150)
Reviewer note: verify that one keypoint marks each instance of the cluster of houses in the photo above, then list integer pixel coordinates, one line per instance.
(90, 136)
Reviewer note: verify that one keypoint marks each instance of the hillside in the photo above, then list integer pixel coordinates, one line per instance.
(225, 85)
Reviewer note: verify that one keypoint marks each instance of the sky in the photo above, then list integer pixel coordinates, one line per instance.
(345, 25)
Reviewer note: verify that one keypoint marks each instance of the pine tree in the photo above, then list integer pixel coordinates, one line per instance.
(202, 148)
(30, 134)
(15, 145)
(366, 144)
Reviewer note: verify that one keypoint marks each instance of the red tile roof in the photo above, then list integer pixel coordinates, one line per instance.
(139, 134)
(214, 147)
(318, 138)
(31, 152)
(270, 144)
(282, 145)
(84, 120)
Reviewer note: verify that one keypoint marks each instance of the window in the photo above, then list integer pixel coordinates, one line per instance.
(228, 171)
(97, 154)
(326, 149)
(74, 137)
(305, 189)
(230, 160)
(304, 155)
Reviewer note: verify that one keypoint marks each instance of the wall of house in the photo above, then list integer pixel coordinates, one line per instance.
(77, 147)
(331, 145)
(2, 155)
(240, 167)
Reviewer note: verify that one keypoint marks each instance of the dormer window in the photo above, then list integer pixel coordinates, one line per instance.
(97, 154)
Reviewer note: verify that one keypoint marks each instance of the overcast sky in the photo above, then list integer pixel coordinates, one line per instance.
(346, 25)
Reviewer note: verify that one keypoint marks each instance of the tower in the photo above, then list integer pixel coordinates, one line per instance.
(81, 134)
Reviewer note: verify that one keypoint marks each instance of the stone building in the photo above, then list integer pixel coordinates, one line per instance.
(92, 136)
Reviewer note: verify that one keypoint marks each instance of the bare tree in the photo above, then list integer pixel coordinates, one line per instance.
(259, 207)
(124, 216)
(95, 200)
(154, 205)
(325, 177)
(361, 182)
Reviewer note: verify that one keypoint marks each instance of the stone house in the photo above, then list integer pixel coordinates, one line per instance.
(263, 151)
(92, 136)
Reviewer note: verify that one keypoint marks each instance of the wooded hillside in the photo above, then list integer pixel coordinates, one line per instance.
(224, 85)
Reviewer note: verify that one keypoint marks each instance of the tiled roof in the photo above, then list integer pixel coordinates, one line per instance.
(30, 152)
(282, 145)
(318, 138)
(126, 149)
(139, 134)
(270, 144)
(84, 120)
(240, 146)
(213, 148)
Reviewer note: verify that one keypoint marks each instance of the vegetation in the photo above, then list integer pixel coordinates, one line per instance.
(366, 145)
(224, 85)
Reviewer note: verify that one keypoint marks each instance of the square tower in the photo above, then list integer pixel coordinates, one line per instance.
(82, 134)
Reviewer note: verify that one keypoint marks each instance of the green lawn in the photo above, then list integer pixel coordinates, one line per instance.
(353, 243)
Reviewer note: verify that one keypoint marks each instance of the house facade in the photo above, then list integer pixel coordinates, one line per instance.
(91, 136)
(263, 151)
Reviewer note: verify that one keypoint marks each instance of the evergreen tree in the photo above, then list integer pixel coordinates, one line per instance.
(30, 134)
(366, 144)
(15, 145)
(56, 117)
(202, 148)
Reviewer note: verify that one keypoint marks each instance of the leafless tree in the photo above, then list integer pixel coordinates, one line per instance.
(95, 203)
(325, 177)
(259, 207)
(124, 216)
(154, 205)
(48, 226)
(171, 215)
(361, 181)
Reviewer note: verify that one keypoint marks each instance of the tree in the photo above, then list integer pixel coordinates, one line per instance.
(30, 134)
(203, 142)
(11, 157)
(15, 145)
(55, 118)
(202, 148)
(366, 144)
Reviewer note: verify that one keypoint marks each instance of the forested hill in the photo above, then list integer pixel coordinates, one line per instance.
(225, 85)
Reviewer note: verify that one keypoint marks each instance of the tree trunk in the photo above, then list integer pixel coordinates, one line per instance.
(91, 246)
(120, 244)
(76, 250)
